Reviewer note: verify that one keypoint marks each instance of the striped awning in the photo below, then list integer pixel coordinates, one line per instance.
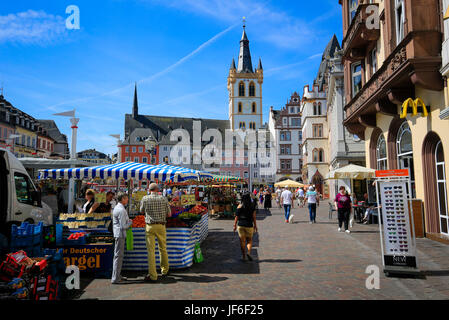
(125, 170)
(202, 174)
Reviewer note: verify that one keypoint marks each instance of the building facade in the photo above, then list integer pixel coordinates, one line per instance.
(315, 134)
(94, 157)
(45, 144)
(401, 61)
(60, 149)
(286, 128)
(344, 147)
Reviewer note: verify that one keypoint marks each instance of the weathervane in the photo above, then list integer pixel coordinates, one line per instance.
(244, 22)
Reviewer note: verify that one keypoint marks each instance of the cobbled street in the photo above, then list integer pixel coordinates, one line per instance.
(292, 261)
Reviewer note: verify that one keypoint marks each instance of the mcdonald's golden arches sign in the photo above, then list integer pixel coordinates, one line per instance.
(414, 107)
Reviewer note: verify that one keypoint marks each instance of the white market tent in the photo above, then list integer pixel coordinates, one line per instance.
(125, 171)
(353, 172)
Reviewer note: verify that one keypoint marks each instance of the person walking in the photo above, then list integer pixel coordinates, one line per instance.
(287, 202)
(121, 223)
(278, 196)
(246, 224)
(156, 210)
(300, 194)
(312, 201)
(344, 207)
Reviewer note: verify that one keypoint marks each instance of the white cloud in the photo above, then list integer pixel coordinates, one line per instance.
(31, 27)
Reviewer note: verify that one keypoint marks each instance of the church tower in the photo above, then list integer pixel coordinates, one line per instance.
(245, 90)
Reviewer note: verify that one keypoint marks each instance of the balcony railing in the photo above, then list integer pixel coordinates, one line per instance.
(360, 33)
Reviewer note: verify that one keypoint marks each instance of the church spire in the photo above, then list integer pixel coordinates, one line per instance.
(135, 105)
(233, 64)
(245, 64)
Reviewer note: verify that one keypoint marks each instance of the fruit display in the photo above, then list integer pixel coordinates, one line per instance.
(139, 222)
(182, 217)
(198, 210)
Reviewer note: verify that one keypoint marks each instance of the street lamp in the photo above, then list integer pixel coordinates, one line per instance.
(74, 121)
(119, 156)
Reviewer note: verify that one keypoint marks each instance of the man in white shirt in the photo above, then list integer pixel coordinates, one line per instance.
(121, 223)
(300, 195)
(287, 202)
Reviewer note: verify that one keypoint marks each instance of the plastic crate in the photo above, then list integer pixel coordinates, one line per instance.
(26, 235)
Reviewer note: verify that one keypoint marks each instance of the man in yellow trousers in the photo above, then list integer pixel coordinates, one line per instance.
(156, 210)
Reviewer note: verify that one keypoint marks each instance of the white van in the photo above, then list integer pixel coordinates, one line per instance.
(19, 199)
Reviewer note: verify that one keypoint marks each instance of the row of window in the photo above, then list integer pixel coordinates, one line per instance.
(245, 174)
(134, 149)
(294, 122)
(287, 136)
(242, 90)
(356, 68)
(5, 133)
(286, 149)
(140, 159)
(253, 107)
(44, 144)
(242, 125)
(404, 150)
(26, 141)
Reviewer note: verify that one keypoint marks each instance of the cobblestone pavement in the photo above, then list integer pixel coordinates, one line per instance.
(292, 261)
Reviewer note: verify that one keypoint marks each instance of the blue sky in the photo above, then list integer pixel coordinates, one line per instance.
(178, 52)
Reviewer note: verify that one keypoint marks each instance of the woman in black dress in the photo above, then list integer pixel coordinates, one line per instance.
(267, 199)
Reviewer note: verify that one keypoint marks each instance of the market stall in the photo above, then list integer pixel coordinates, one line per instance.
(85, 237)
(223, 198)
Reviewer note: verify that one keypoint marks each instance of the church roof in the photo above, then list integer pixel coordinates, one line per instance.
(161, 127)
(329, 52)
(245, 64)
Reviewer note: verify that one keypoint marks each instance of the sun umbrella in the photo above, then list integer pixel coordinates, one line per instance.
(289, 183)
(352, 171)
